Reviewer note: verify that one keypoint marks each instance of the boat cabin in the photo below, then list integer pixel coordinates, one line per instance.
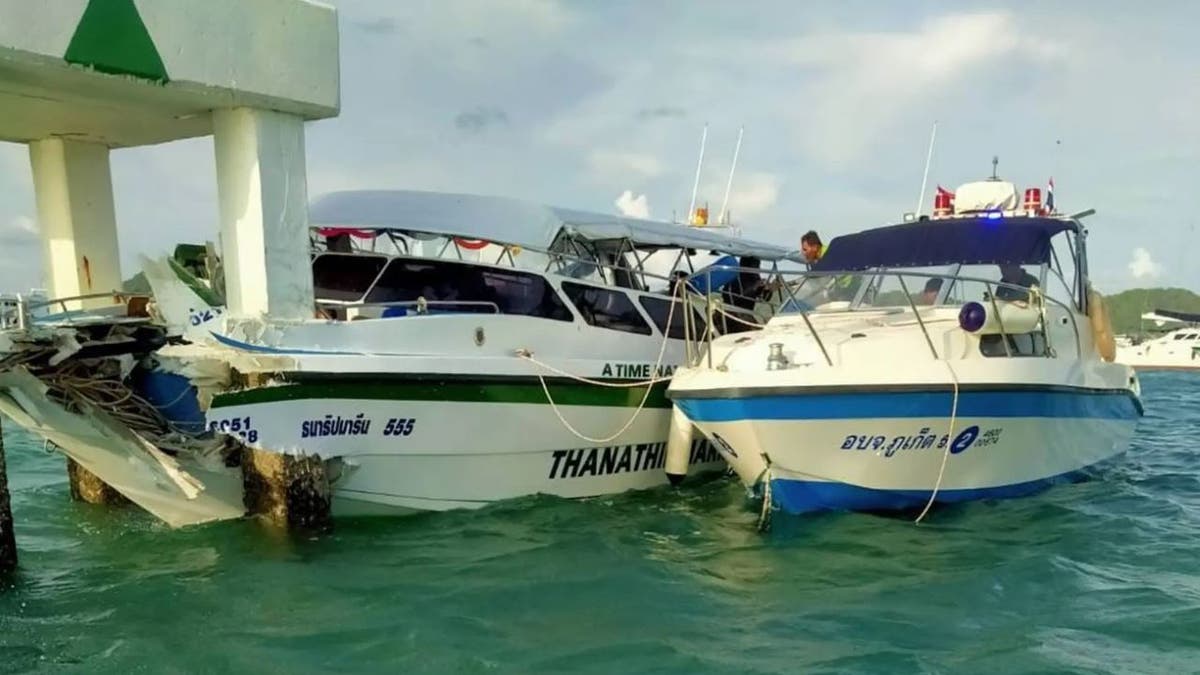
(383, 255)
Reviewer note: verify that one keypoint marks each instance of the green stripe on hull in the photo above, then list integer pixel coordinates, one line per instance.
(506, 390)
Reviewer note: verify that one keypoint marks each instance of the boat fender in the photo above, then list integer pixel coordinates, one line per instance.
(1102, 335)
(679, 446)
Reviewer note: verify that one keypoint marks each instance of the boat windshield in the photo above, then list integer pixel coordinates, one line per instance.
(925, 286)
(949, 262)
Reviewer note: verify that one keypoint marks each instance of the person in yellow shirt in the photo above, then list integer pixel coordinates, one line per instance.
(845, 286)
(811, 247)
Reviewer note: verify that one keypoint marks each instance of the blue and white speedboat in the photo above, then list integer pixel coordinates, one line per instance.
(950, 359)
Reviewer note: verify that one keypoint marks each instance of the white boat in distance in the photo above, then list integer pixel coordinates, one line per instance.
(904, 375)
(1178, 349)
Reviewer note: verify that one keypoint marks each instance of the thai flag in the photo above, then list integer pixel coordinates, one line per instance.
(1050, 196)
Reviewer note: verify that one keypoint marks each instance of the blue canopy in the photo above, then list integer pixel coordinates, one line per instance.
(1018, 240)
(706, 281)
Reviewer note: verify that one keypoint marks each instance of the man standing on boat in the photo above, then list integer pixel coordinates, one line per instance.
(845, 286)
(1015, 275)
(811, 247)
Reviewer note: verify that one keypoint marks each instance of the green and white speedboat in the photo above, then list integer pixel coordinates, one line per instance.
(467, 349)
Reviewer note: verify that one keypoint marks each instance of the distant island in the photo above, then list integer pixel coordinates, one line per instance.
(1127, 307)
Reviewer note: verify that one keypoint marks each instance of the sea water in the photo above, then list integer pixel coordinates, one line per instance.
(1100, 576)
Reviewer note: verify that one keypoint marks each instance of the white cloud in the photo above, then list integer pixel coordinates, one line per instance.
(1143, 266)
(614, 163)
(869, 82)
(24, 224)
(632, 206)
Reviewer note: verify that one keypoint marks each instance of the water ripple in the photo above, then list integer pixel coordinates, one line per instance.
(1094, 577)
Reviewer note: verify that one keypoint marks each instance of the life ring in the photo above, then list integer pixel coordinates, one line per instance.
(1102, 335)
(471, 244)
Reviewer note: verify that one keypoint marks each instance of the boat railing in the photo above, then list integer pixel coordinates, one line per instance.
(783, 299)
(18, 315)
(421, 305)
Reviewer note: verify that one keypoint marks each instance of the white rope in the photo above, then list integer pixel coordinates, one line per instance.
(528, 356)
(662, 350)
(728, 315)
(949, 444)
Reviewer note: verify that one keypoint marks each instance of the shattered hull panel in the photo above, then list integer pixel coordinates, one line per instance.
(179, 491)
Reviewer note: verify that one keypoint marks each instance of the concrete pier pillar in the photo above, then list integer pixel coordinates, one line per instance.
(73, 186)
(88, 488)
(262, 193)
(8, 543)
(287, 490)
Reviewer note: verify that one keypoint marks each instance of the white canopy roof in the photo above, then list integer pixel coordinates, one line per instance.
(513, 221)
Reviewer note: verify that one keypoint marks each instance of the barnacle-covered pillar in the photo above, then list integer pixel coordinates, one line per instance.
(88, 488)
(290, 491)
(8, 542)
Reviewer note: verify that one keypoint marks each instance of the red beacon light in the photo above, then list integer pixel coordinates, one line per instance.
(943, 204)
(1033, 201)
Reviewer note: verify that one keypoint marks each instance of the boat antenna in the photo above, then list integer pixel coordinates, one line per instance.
(995, 167)
(699, 165)
(925, 176)
(722, 219)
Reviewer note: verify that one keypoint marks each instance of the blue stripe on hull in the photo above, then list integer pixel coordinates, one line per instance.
(1086, 404)
(803, 496)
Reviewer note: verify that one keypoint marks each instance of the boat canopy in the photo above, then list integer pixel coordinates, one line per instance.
(990, 239)
(1185, 317)
(512, 221)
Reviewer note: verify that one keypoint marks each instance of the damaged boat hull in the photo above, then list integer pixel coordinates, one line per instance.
(417, 444)
(183, 490)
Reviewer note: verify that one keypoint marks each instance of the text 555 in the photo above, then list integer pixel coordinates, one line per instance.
(399, 426)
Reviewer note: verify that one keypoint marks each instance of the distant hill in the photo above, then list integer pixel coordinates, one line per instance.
(1127, 307)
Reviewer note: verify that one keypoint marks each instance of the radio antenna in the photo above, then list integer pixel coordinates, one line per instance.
(722, 218)
(699, 165)
(925, 176)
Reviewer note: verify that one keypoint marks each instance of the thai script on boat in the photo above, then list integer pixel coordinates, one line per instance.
(616, 459)
(989, 437)
(640, 371)
(336, 425)
(241, 427)
(888, 446)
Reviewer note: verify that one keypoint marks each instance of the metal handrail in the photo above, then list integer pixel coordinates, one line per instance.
(420, 304)
(24, 307)
(989, 284)
(90, 296)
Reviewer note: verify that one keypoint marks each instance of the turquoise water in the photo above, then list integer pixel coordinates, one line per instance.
(1095, 577)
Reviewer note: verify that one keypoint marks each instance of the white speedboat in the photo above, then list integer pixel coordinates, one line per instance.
(465, 350)
(1178, 349)
(909, 372)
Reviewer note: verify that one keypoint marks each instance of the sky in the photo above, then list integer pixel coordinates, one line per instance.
(600, 105)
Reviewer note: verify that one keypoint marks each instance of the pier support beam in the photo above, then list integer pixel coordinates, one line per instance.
(8, 543)
(87, 487)
(73, 185)
(287, 490)
(262, 193)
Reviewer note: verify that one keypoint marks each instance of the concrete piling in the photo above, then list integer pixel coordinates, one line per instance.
(8, 542)
(87, 487)
(288, 491)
